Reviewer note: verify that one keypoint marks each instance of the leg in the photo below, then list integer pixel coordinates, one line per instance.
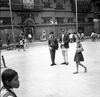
(66, 56)
(52, 53)
(83, 66)
(8, 47)
(23, 47)
(19, 47)
(77, 65)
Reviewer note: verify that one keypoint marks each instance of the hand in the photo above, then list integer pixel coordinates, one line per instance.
(50, 48)
(62, 43)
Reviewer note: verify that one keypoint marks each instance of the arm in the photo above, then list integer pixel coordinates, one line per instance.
(49, 44)
(80, 49)
(56, 44)
(56, 41)
(67, 39)
(60, 40)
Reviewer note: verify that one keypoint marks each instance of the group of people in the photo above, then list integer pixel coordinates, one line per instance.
(95, 36)
(73, 36)
(10, 78)
(22, 42)
(53, 44)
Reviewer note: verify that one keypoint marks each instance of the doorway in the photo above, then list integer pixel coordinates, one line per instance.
(81, 30)
(29, 30)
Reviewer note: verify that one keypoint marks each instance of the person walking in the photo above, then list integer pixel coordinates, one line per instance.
(25, 43)
(53, 46)
(8, 42)
(79, 56)
(21, 45)
(64, 42)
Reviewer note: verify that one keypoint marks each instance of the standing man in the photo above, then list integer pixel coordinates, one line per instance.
(53, 46)
(64, 41)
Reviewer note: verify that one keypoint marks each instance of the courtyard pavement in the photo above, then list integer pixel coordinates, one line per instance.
(39, 79)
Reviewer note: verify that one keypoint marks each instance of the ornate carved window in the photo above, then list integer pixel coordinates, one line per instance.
(47, 3)
(4, 3)
(28, 4)
(29, 22)
(59, 6)
(60, 20)
(70, 19)
(46, 20)
(99, 7)
(59, 1)
(82, 5)
(81, 19)
(6, 20)
(90, 20)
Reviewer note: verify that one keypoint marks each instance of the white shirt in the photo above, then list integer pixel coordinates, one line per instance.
(3, 92)
(29, 36)
(71, 35)
(62, 38)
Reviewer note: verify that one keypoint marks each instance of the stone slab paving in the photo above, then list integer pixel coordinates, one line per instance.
(39, 79)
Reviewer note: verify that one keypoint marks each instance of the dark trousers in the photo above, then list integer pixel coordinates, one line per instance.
(52, 53)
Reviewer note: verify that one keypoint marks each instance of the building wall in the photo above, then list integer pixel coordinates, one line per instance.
(7, 29)
(49, 12)
(17, 19)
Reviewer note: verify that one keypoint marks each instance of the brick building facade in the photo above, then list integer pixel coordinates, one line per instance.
(37, 16)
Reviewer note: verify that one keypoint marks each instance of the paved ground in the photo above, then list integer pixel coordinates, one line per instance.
(39, 79)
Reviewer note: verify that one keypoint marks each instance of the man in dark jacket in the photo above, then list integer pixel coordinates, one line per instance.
(64, 41)
(53, 46)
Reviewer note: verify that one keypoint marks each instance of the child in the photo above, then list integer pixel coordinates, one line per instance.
(21, 45)
(10, 81)
(79, 56)
(25, 43)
